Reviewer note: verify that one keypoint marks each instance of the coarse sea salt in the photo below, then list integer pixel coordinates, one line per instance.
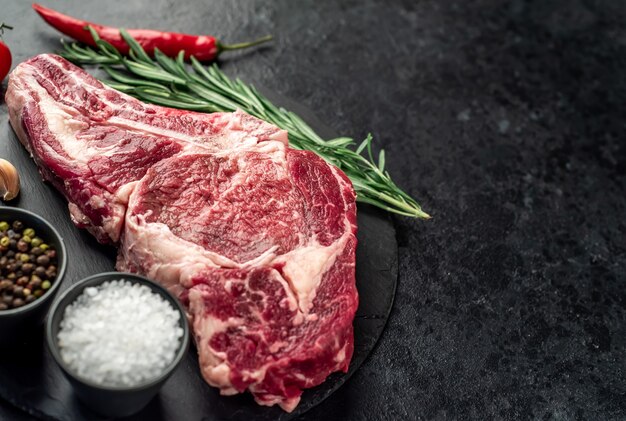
(119, 334)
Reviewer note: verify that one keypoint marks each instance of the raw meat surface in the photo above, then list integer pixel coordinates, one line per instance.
(256, 239)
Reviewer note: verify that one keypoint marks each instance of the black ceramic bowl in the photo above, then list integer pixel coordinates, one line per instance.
(16, 323)
(106, 400)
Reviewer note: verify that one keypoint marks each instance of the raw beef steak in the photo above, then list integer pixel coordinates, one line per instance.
(256, 239)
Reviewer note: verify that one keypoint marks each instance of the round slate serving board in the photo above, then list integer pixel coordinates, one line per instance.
(30, 380)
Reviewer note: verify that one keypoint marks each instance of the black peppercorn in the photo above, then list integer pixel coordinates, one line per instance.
(35, 283)
(27, 268)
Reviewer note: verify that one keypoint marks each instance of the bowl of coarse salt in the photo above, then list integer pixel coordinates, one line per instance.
(117, 337)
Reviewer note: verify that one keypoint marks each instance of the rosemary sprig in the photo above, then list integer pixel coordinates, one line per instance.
(169, 82)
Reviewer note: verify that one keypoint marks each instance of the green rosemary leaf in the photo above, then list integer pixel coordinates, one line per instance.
(168, 64)
(340, 142)
(128, 80)
(381, 160)
(152, 73)
(127, 89)
(163, 98)
(363, 145)
(135, 47)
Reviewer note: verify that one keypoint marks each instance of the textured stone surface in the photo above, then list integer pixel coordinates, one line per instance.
(505, 119)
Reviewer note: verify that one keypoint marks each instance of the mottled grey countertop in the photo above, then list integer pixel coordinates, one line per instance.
(505, 119)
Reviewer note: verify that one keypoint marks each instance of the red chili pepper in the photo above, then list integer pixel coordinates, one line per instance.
(202, 47)
(5, 54)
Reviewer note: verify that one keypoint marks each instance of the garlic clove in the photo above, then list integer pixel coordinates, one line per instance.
(9, 180)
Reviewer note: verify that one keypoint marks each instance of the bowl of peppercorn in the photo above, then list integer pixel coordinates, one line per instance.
(32, 264)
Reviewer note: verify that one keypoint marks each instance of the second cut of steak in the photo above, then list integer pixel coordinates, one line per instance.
(260, 245)
(255, 238)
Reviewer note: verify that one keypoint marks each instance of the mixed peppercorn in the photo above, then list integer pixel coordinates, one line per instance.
(28, 266)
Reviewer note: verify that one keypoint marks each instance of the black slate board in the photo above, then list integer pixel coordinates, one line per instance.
(30, 380)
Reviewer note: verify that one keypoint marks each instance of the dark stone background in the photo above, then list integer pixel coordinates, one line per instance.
(505, 119)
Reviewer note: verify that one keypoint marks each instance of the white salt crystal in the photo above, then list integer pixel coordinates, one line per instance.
(119, 334)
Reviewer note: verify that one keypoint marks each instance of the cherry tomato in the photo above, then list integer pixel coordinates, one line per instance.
(5, 60)
(5, 55)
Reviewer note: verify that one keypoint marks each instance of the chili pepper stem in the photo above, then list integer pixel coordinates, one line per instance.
(238, 46)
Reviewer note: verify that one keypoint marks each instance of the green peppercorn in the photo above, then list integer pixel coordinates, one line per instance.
(36, 242)
(45, 285)
(44, 246)
(24, 257)
(38, 293)
(4, 226)
(5, 241)
(29, 232)
(27, 239)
